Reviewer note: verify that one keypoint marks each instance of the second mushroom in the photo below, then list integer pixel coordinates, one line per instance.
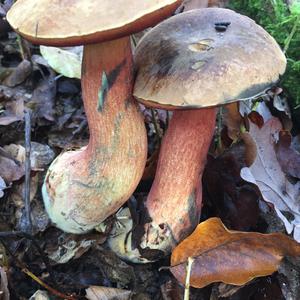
(192, 63)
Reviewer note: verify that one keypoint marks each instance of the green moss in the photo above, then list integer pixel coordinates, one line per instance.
(283, 23)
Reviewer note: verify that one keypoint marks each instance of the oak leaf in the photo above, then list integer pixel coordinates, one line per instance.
(272, 182)
(232, 257)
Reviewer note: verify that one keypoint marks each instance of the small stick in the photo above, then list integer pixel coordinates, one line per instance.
(46, 286)
(188, 277)
(27, 170)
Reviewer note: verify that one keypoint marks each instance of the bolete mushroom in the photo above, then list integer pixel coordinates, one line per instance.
(192, 63)
(82, 188)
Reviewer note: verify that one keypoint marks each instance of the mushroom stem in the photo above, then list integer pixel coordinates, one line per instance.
(82, 188)
(174, 202)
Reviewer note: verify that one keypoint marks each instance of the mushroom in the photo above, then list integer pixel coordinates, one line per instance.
(82, 188)
(192, 63)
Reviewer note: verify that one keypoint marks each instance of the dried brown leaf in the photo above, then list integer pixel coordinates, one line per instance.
(233, 120)
(9, 170)
(12, 104)
(43, 99)
(232, 257)
(267, 174)
(19, 74)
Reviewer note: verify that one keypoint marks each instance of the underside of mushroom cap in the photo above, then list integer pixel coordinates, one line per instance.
(203, 58)
(77, 22)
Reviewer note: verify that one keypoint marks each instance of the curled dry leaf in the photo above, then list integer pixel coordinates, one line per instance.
(233, 257)
(233, 120)
(267, 174)
(105, 293)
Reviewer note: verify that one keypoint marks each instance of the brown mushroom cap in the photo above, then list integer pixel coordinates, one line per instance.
(205, 57)
(77, 22)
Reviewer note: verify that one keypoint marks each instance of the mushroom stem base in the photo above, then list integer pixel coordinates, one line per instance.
(82, 188)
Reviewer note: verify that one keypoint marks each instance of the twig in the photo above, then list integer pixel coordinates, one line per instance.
(188, 277)
(46, 286)
(27, 170)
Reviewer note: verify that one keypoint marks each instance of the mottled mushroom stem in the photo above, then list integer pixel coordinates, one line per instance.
(82, 188)
(174, 202)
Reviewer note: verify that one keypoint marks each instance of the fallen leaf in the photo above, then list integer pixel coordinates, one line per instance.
(232, 257)
(267, 174)
(13, 104)
(19, 74)
(43, 99)
(65, 61)
(105, 293)
(233, 120)
(288, 158)
(232, 199)
(10, 170)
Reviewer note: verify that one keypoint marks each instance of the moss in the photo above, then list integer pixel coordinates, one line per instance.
(283, 23)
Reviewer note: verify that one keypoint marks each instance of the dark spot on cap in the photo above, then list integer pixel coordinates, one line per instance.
(222, 26)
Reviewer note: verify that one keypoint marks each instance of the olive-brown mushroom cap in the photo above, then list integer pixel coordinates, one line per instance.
(189, 61)
(77, 22)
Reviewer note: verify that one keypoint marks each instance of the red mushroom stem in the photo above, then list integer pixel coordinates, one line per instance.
(82, 188)
(174, 202)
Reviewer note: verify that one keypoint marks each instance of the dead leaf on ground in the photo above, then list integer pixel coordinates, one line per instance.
(18, 74)
(62, 247)
(232, 257)
(267, 174)
(43, 99)
(106, 293)
(9, 170)
(12, 104)
(233, 120)
(288, 158)
(232, 199)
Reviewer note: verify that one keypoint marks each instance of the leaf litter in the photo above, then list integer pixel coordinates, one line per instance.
(83, 263)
